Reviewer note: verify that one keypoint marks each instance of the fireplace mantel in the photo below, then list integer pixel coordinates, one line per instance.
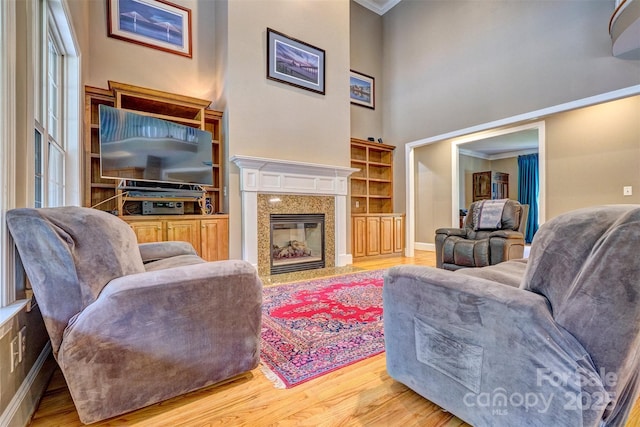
(264, 175)
(291, 177)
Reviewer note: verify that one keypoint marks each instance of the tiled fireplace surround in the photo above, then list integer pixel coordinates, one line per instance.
(289, 187)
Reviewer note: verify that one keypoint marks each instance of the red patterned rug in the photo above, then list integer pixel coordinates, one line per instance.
(315, 327)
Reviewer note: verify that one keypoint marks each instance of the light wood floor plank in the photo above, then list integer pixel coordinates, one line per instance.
(361, 394)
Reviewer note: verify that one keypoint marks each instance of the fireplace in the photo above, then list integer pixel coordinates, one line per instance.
(277, 186)
(297, 242)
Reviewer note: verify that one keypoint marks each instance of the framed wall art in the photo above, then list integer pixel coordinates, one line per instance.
(362, 90)
(295, 62)
(153, 23)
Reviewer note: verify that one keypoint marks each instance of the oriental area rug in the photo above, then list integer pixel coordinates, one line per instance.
(315, 327)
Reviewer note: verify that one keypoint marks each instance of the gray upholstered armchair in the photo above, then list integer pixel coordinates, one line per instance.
(548, 341)
(483, 242)
(134, 325)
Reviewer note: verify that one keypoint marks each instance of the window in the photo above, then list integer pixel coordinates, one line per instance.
(49, 154)
(7, 146)
(38, 203)
(40, 73)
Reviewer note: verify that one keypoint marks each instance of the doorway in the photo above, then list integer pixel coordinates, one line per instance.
(497, 147)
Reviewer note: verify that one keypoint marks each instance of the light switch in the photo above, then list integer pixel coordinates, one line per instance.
(627, 190)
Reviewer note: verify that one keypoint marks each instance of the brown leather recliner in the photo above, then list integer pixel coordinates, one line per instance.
(472, 246)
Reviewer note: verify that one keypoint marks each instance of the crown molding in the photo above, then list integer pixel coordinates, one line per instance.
(498, 156)
(376, 7)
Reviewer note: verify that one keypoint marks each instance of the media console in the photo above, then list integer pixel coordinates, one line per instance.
(151, 209)
(142, 199)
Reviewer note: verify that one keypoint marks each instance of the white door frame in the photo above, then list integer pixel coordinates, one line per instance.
(455, 165)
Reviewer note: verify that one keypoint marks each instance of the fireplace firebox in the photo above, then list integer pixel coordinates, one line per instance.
(297, 242)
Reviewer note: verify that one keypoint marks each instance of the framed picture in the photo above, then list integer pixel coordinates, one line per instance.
(294, 62)
(153, 23)
(362, 90)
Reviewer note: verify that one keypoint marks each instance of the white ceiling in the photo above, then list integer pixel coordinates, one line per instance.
(378, 6)
(501, 146)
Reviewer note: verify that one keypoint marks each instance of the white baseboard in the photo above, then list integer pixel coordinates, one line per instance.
(425, 246)
(344, 259)
(24, 402)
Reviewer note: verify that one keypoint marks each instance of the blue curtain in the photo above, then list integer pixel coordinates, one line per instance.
(528, 190)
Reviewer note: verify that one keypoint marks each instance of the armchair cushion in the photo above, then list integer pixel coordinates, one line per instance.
(487, 215)
(468, 253)
(161, 250)
(174, 261)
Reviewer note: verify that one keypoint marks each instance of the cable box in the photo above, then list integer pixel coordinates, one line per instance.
(162, 208)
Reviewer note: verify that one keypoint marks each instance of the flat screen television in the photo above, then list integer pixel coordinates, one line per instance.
(143, 149)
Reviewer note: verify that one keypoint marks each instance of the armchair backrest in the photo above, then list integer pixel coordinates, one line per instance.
(586, 264)
(511, 218)
(69, 255)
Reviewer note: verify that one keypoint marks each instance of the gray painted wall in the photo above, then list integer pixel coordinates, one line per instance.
(453, 64)
(367, 58)
(591, 153)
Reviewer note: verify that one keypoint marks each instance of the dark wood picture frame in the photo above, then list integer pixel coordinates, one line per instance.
(157, 24)
(295, 62)
(362, 89)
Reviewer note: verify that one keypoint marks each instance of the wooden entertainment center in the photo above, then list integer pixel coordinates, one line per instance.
(202, 224)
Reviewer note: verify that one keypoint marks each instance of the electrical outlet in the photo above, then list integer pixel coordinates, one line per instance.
(22, 341)
(357, 204)
(627, 190)
(15, 353)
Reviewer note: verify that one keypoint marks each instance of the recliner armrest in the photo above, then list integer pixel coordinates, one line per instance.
(161, 250)
(461, 232)
(506, 234)
(455, 338)
(154, 335)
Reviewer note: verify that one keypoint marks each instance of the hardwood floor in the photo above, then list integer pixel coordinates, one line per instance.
(358, 395)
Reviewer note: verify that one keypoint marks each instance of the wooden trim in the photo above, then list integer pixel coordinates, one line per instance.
(372, 144)
(128, 89)
(133, 218)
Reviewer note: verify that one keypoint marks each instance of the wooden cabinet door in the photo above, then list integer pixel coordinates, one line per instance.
(147, 231)
(359, 236)
(373, 235)
(214, 237)
(184, 231)
(481, 186)
(386, 235)
(398, 234)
